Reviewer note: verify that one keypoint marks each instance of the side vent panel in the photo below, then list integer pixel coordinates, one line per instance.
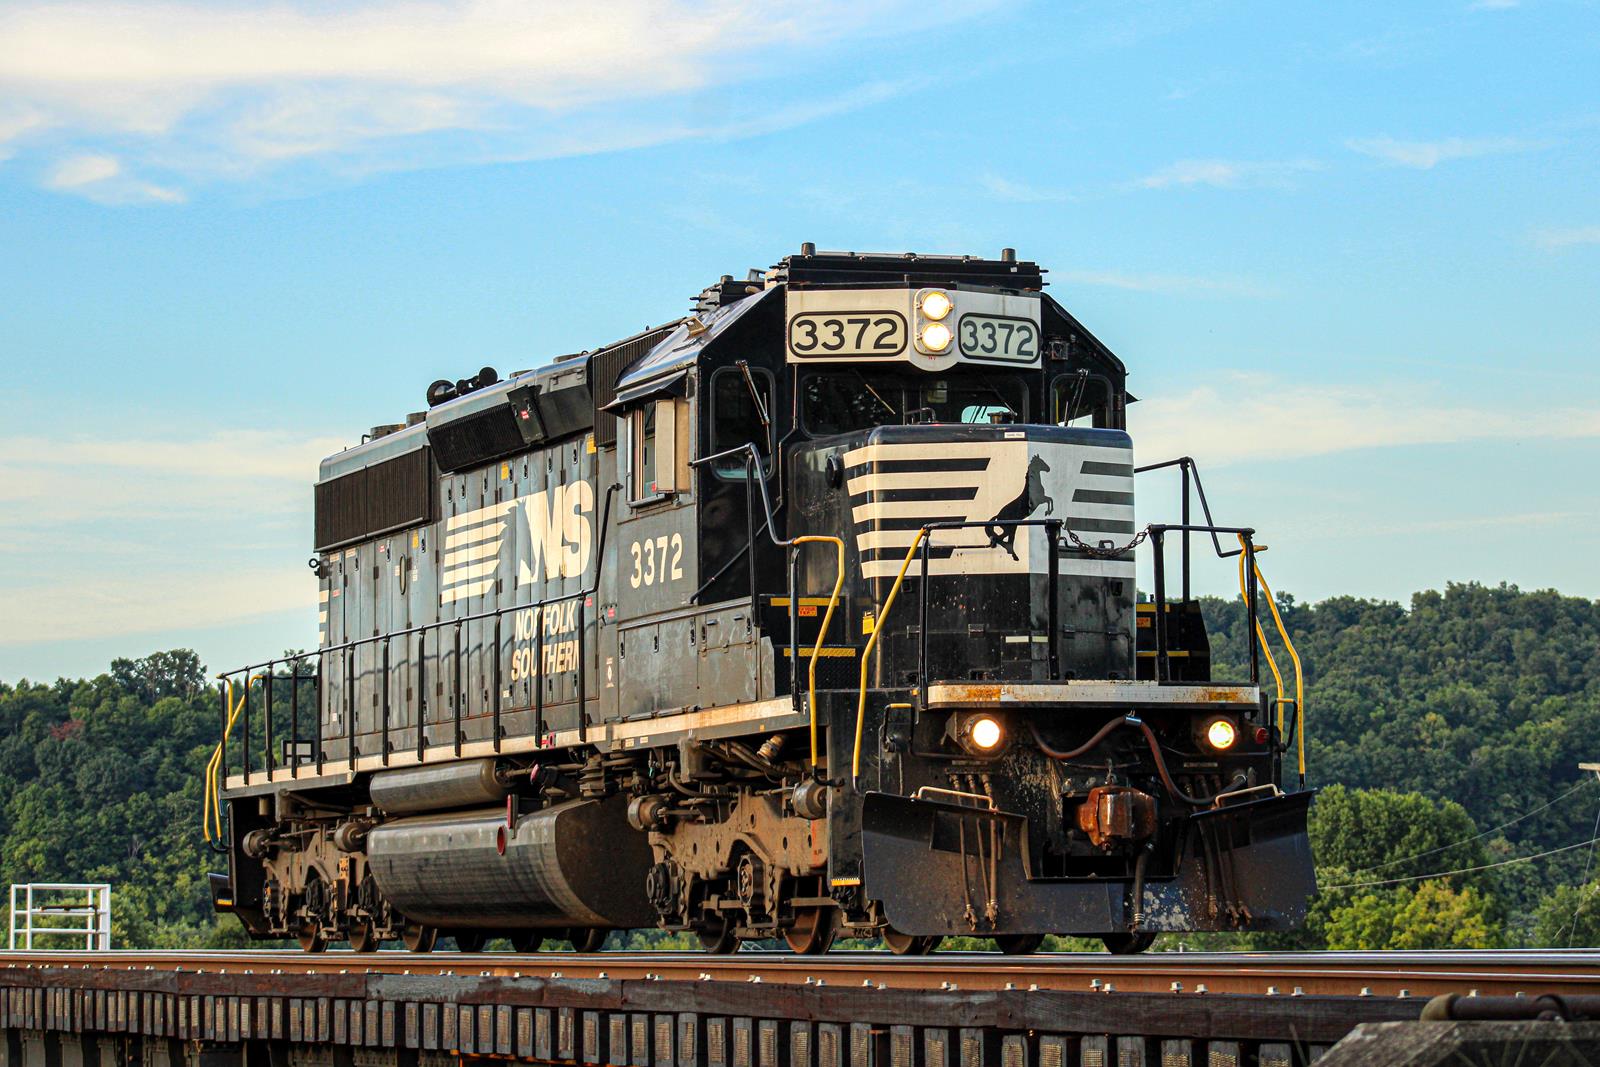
(387, 496)
(606, 366)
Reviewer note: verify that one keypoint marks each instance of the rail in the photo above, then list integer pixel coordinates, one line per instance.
(266, 672)
(1294, 656)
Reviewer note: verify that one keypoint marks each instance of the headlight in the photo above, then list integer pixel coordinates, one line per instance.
(936, 337)
(985, 733)
(978, 734)
(1221, 734)
(935, 305)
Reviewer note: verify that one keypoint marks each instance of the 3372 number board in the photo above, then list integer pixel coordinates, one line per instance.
(861, 334)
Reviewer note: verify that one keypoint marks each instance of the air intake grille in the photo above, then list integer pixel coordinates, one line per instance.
(386, 496)
(606, 366)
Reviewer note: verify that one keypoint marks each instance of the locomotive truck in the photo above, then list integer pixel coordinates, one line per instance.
(812, 613)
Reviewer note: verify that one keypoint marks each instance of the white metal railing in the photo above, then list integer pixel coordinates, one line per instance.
(33, 902)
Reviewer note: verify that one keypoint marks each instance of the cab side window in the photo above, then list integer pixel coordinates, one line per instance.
(741, 414)
(1082, 400)
(658, 433)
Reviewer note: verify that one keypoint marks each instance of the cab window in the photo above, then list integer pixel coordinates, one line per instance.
(658, 450)
(834, 403)
(1082, 400)
(741, 414)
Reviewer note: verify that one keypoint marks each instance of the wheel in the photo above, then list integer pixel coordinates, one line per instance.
(526, 940)
(717, 936)
(587, 938)
(813, 931)
(1019, 944)
(419, 938)
(363, 938)
(908, 944)
(471, 940)
(311, 939)
(1129, 944)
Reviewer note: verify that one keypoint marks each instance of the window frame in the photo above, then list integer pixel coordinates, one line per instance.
(712, 422)
(672, 452)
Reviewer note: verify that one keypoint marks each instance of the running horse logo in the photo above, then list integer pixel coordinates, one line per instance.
(1021, 506)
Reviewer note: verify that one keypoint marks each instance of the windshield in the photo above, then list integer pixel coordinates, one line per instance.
(844, 401)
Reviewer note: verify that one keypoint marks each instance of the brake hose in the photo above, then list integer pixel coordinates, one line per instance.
(1102, 733)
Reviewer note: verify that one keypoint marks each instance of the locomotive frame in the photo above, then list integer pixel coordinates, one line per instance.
(614, 643)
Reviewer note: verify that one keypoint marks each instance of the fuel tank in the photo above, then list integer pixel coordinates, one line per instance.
(577, 863)
(436, 787)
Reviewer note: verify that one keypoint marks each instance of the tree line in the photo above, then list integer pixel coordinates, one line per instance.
(1444, 737)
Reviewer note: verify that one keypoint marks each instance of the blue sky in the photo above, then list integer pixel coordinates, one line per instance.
(1350, 253)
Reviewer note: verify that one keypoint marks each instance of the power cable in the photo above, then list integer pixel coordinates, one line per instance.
(1462, 870)
(1588, 864)
(1587, 781)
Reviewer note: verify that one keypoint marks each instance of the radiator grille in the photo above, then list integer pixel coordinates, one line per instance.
(606, 366)
(386, 496)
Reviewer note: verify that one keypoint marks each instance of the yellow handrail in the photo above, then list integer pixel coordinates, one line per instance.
(872, 642)
(211, 812)
(1299, 672)
(822, 632)
(1261, 640)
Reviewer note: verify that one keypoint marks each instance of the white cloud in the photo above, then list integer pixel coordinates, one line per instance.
(1255, 417)
(130, 535)
(83, 170)
(203, 91)
(1016, 192)
(1162, 283)
(102, 178)
(1493, 5)
(1425, 155)
(1568, 237)
(1228, 173)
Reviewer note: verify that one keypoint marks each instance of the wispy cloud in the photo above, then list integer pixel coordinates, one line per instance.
(187, 91)
(1016, 192)
(1177, 284)
(1493, 5)
(1425, 155)
(1567, 237)
(1228, 173)
(112, 535)
(102, 178)
(1256, 417)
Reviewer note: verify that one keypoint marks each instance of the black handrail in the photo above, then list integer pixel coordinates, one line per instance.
(348, 652)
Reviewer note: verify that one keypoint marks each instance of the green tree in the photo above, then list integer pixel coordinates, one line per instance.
(1569, 917)
(1433, 915)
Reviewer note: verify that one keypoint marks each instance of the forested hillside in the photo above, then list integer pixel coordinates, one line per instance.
(1449, 733)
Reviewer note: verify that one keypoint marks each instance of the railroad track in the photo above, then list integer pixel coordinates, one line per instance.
(1312, 974)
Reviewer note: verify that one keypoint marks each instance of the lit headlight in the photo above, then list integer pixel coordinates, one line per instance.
(979, 734)
(935, 305)
(985, 733)
(1221, 734)
(936, 337)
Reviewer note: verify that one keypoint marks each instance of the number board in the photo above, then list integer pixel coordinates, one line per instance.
(856, 334)
(999, 338)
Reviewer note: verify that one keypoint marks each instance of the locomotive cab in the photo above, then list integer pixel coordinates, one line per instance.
(813, 612)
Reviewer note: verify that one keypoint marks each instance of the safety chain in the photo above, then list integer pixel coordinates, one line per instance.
(1100, 551)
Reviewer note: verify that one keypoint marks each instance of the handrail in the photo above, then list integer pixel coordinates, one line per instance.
(822, 631)
(872, 642)
(208, 821)
(1299, 672)
(752, 462)
(265, 668)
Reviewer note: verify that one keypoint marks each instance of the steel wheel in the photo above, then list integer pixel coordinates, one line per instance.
(419, 938)
(813, 931)
(908, 944)
(716, 936)
(1129, 944)
(1019, 944)
(363, 938)
(587, 938)
(311, 939)
(526, 940)
(471, 940)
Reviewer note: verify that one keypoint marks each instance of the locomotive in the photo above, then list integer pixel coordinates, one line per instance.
(810, 614)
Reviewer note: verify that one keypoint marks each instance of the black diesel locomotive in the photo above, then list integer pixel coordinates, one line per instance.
(812, 613)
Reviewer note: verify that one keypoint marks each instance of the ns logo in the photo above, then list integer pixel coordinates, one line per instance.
(560, 528)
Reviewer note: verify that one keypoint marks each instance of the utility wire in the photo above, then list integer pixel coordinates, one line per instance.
(1588, 864)
(1587, 781)
(1462, 870)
